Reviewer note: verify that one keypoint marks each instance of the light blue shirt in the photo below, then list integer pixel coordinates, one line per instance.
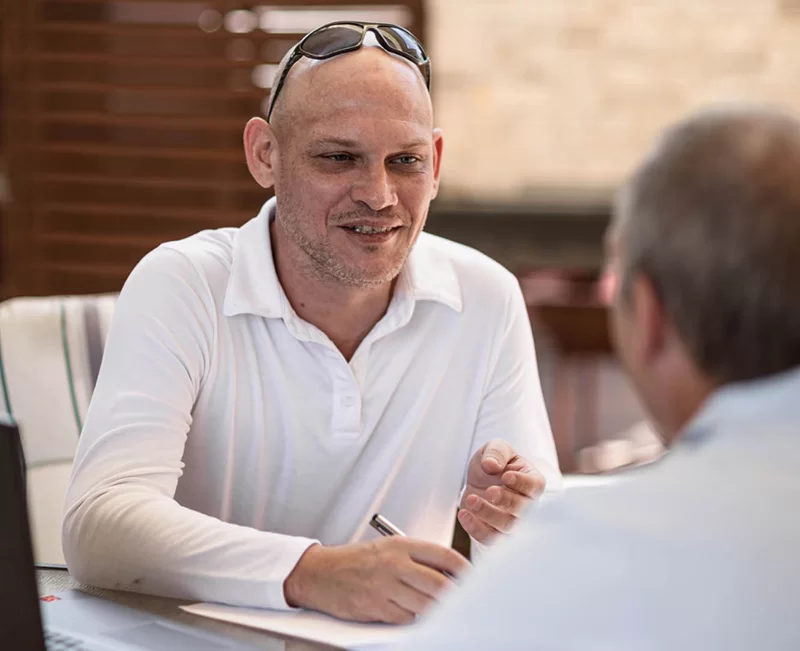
(700, 550)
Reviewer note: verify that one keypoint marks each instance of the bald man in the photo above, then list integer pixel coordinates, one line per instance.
(266, 389)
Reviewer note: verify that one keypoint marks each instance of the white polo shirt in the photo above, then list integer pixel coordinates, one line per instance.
(226, 434)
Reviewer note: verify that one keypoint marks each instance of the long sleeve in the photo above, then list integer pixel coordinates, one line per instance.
(123, 527)
(513, 405)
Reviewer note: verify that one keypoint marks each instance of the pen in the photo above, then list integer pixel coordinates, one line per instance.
(386, 528)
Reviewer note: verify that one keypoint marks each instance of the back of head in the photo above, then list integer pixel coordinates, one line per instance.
(712, 219)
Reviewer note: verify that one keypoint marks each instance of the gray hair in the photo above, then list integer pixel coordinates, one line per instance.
(712, 219)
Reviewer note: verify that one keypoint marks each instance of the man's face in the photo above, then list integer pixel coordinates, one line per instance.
(624, 329)
(356, 165)
(638, 333)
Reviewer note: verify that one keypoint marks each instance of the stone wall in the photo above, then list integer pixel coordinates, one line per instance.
(552, 97)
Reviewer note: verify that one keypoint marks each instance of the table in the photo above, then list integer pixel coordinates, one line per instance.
(56, 580)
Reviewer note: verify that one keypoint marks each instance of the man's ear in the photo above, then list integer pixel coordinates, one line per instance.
(260, 149)
(438, 146)
(651, 329)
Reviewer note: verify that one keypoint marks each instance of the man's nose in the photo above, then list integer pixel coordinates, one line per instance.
(375, 189)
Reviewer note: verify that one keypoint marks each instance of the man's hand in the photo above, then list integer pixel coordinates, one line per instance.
(387, 580)
(500, 484)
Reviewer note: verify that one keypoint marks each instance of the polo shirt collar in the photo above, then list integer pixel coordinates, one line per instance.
(253, 286)
(429, 275)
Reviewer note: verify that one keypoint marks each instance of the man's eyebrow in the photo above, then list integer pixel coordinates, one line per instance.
(413, 144)
(353, 144)
(335, 142)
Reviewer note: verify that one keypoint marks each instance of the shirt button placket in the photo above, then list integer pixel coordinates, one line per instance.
(346, 401)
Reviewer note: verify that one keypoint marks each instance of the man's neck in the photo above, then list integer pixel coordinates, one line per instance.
(686, 399)
(346, 314)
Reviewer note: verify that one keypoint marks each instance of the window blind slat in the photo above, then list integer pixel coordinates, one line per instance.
(115, 210)
(118, 151)
(111, 88)
(143, 182)
(141, 120)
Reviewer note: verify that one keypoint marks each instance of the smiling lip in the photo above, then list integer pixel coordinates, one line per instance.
(376, 225)
(375, 237)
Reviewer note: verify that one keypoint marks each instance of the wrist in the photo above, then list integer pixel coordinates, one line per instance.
(296, 586)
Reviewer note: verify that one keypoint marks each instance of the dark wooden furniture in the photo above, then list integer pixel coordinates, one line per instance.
(122, 125)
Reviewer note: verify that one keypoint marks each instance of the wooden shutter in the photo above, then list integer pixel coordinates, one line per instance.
(122, 125)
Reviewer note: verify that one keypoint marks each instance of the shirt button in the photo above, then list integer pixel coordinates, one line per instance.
(348, 401)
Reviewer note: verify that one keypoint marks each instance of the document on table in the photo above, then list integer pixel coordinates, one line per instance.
(305, 624)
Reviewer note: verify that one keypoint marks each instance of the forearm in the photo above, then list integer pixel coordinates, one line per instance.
(128, 538)
(122, 526)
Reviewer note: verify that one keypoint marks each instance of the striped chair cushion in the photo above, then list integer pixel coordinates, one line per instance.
(50, 353)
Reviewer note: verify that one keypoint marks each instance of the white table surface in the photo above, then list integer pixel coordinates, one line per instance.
(57, 580)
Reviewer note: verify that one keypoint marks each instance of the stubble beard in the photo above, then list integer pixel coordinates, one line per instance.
(327, 265)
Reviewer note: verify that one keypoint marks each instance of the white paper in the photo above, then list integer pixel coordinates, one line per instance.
(304, 624)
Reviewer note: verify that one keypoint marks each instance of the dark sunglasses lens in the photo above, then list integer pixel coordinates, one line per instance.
(403, 41)
(330, 40)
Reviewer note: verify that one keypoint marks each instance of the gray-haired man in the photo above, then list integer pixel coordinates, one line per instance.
(702, 549)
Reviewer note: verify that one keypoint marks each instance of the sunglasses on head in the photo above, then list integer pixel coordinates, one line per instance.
(337, 38)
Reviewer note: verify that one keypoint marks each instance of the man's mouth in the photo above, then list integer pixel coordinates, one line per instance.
(370, 230)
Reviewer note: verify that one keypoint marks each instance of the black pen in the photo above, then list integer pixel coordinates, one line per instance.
(386, 528)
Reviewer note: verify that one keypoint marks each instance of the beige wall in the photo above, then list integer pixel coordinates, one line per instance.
(537, 96)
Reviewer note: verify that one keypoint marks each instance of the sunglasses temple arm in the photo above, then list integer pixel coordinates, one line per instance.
(281, 80)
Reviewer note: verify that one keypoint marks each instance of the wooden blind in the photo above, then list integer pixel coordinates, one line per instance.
(122, 125)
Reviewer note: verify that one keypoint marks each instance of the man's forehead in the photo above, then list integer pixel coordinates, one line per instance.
(344, 68)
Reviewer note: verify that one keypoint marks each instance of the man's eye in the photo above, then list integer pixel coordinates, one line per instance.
(406, 160)
(338, 158)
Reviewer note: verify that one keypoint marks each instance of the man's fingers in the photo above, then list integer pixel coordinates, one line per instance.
(394, 613)
(410, 598)
(426, 580)
(478, 530)
(491, 515)
(530, 484)
(507, 500)
(496, 455)
(439, 558)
